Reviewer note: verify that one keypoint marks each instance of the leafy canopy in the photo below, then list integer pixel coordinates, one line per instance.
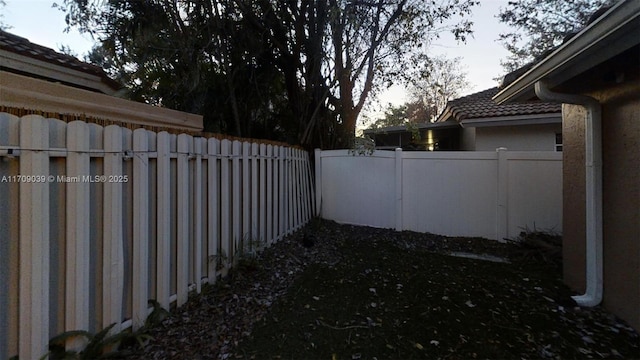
(299, 71)
(538, 26)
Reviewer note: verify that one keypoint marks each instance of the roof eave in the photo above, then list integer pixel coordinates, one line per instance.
(27, 65)
(612, 33)
(532, 119)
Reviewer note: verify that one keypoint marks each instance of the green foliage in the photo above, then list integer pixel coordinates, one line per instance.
(362, 146)
(102, 345)
(3, 25)
(299, 71)
(539, 26)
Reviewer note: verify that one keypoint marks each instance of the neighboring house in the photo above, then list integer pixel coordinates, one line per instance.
(596, 74)
(425, 136)
(20, 56)
(36, 79)
(486, 126)
(476, 123)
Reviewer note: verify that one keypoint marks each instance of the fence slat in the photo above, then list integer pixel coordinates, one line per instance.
(140, 226)
(296, 189)
(163, 282)
(77, 231)
(34, 239)
(183, 223)
(236, 219)
(262, 216)
(225, 205)
(289, 175)
(269, 193)
(276, 194)
(306, 199)
(113, 247)
(213, 209)
(197, 214)
(246, 194)
(318, 197)
(255, 235)
(283, 193)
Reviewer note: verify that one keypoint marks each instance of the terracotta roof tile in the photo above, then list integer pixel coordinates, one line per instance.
(480, 105)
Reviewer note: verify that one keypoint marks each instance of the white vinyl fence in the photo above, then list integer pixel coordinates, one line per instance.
(494, 195)
(96, 221)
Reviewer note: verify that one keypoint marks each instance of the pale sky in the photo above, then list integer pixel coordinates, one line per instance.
(37, 21)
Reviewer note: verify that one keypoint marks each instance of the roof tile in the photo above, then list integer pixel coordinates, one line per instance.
(480, 105)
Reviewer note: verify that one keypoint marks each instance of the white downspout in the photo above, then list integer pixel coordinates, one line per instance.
(593, 162)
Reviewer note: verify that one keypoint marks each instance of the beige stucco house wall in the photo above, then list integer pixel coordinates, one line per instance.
(517, 138)
(621, 184)
(603, 62)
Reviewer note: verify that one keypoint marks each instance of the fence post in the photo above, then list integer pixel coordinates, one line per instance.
(113, 252)
(34, 239)
(503, 194)
(399, 189)
(77, 232)
(140, 226)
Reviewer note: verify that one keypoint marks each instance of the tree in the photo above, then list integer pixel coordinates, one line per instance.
(539, 26)
(3, 25)
(335, 54)
(445, 81)
(301, 68)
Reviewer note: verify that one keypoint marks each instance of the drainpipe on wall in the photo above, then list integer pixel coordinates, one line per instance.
(593, 173)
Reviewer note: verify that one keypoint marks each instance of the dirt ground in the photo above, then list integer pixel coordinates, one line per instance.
(335, 291)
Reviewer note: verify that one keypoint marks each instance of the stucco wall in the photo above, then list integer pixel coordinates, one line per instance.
(517, 138)
(573, 197)
(621, 197)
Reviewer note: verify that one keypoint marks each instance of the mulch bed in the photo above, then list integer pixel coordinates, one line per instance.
(335, 291)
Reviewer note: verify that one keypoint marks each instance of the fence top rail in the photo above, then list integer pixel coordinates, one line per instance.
(449, 155)
(22, 113)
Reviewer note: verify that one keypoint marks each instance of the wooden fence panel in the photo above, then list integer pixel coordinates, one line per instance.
(138, 215)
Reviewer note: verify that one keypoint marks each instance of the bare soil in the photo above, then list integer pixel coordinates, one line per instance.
(335, 291)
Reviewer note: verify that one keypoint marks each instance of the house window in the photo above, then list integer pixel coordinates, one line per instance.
(558, 146)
